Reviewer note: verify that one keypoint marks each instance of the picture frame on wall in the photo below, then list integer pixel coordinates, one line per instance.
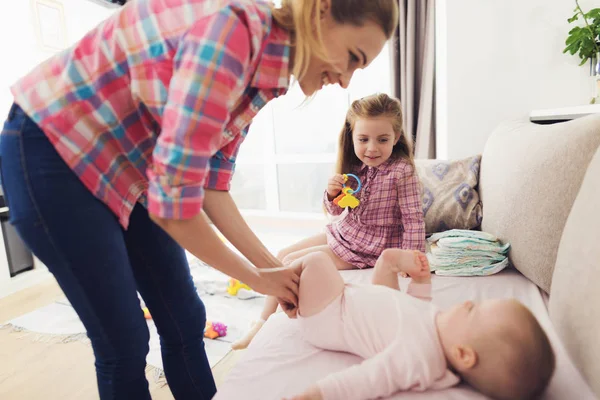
(110, 3)
(50, 25)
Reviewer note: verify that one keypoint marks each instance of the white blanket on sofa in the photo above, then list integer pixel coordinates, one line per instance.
(279, 363)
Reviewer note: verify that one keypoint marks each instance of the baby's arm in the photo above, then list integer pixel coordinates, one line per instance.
(378, 376)
(413, 262)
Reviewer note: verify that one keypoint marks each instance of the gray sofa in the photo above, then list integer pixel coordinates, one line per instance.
(540, 189)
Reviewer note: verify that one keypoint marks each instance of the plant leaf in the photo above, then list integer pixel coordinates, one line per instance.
(572, 39)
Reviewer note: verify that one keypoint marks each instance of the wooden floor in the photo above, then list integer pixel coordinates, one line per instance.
(32, 370)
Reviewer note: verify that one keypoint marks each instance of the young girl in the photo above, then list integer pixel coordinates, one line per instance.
(374, 147)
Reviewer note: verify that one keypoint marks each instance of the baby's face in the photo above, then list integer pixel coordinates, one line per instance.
(469, 320)
(494, 345)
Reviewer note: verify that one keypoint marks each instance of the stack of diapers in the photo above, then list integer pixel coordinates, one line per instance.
(460, 252)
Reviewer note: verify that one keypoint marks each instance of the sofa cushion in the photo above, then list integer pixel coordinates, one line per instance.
(450, 198)
(575, 297)
(530, 175)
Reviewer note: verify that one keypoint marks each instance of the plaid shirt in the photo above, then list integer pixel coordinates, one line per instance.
(153, 104)
(390, 215)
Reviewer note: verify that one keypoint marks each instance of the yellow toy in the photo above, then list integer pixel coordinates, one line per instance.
(235, 285)
(346, 198)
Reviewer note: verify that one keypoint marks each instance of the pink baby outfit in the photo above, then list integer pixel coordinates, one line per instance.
(394, 332)
(390, 215)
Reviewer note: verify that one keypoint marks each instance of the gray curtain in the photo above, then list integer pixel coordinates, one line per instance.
(413, 72)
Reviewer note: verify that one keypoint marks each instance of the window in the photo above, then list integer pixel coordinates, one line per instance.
(290, 151)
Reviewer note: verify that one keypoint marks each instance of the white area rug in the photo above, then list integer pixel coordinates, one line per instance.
(59, 323)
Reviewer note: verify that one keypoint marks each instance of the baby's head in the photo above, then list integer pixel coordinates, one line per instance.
(498, 347)
(373, 133)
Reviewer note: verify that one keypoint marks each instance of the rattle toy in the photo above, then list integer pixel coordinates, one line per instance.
(234, 286)
(214, 330)
(346, 198)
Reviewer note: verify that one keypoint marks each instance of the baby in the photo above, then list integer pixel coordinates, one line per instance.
(497, 346)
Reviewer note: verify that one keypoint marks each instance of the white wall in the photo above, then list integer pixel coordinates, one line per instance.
(19, 45)
(498, 60)
(21, 52)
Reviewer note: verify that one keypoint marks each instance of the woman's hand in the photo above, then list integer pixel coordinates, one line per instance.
(334, 186)
(311, 394)
(279, 282)
(291, 309)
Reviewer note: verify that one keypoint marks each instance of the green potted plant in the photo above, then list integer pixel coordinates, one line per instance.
(584, 40)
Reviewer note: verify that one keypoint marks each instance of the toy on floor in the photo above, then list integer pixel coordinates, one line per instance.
(146, 313)
(235, 285)
(240, 290)
(214, 330)
(347, 199)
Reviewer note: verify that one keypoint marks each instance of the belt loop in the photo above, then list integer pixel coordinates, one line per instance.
(12, 112)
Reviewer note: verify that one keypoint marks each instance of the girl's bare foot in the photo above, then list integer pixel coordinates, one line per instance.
(245, 341)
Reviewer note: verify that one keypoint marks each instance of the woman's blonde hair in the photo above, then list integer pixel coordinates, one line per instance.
(375, 106)
(302, 19)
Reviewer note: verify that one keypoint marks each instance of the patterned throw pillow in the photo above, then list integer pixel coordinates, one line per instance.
(450, 198)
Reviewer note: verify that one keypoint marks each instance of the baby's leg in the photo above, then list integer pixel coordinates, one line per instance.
(394, 261)
(287, 258)
(320, 284)
(271, 302)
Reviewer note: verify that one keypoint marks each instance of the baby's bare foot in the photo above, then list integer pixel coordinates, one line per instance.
(405, 262)
(422, 274)
(414, 263)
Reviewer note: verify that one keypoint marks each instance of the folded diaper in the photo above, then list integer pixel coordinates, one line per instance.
(472, 244)
(466, 253)
(469, 271)
(463, 233)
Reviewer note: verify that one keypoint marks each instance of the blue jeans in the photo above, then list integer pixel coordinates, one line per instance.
(100, 266)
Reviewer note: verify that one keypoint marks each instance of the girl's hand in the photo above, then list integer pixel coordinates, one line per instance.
(334, 186)
(311, 394)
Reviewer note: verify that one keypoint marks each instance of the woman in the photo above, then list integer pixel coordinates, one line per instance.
(114, 148)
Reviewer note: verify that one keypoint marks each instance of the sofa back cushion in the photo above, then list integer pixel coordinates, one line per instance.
(530, 176)
(575, 296)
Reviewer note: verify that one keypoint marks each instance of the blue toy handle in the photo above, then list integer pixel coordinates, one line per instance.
(352, 191)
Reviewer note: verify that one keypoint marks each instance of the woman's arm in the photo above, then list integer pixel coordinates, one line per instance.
(197, 236)
(222, 211)
(194, 140)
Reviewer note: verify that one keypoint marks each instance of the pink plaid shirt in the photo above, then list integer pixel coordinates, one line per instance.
(390, 215)
(153, 104)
